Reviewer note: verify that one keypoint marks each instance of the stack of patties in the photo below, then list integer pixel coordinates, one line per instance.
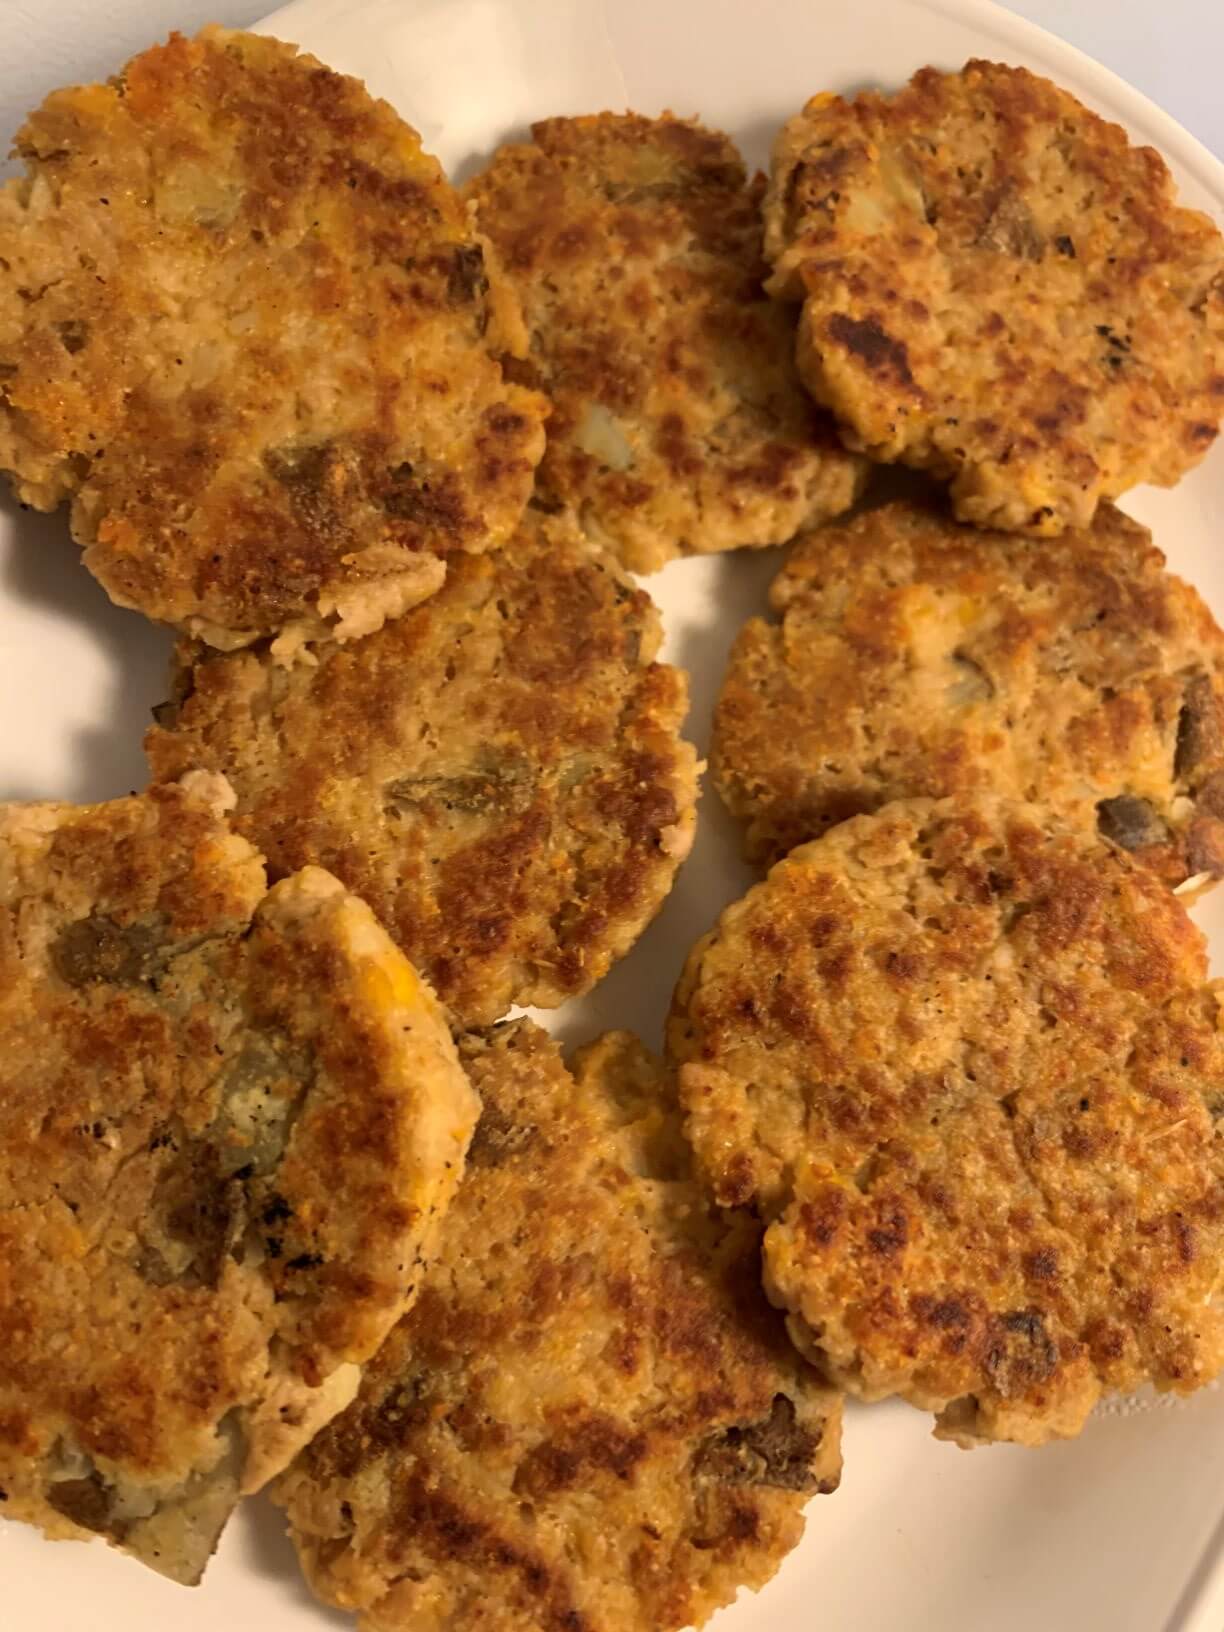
(248, 329)
(958, 1051)
(294, 428)
(231, 1120)
(267, 361)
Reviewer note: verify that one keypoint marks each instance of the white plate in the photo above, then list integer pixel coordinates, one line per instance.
(1122, 1529)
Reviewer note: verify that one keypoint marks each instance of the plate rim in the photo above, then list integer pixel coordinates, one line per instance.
(1106, 87)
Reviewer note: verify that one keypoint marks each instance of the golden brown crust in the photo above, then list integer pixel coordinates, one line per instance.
(968, 1069)
(499, 773)
(246, 327)
(999, 288)
(592, 1421)
(679, 424)
(917, 658)
(228, 1123)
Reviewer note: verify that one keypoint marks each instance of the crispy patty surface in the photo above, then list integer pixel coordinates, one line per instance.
(968, 1070)
(999, 288)
(229, 1122)
(592, 1421)
(915, 657)
(679, 424)
(247, 329)
(499, 773)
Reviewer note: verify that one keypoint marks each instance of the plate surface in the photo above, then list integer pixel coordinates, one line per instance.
(1123, 1528)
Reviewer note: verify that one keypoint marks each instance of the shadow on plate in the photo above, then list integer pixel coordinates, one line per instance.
(755, 141)
(269, 1553)
(41, 568)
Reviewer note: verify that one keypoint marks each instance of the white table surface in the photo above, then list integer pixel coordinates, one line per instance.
(1170, 49)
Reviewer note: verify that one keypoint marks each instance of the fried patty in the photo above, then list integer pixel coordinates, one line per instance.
(967, 1068)
(999, 288)
(499, 773)
(229, 1122)
(679, 424)
(916, 657)
(592, 1421)
(247, 329)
